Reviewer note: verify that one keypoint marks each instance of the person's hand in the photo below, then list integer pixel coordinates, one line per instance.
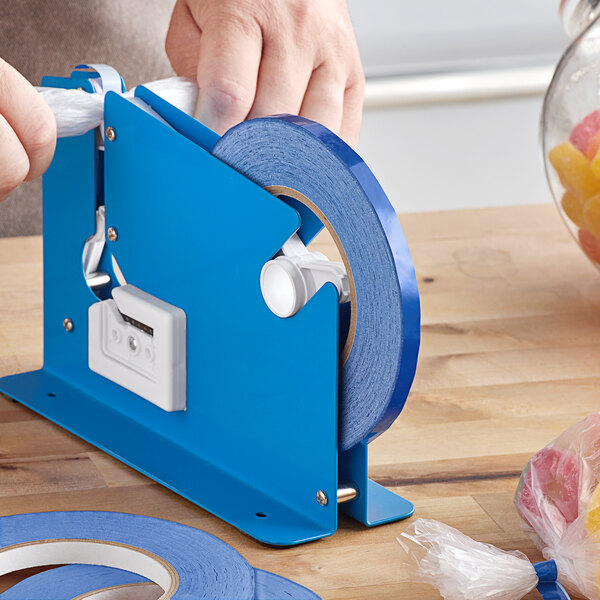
(27, 131)
(253, 58)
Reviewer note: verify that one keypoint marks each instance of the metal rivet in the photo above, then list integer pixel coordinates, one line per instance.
(111, 134)
(133, 345)
(68, 324)
(111, 234)
(322, 498)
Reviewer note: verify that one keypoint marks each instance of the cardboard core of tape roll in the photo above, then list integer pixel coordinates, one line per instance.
(281, 190)
(132, 591)
(92, 552)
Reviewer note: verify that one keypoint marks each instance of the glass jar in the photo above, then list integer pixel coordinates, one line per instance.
(570, 126)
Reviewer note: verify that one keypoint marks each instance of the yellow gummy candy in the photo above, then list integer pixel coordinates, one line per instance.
(591, 215)
(592, 519)
(595, 164)
(574, 171)
(573, 208)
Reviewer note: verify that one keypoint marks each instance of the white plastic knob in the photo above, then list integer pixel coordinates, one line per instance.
(290, 280)
(283, 286)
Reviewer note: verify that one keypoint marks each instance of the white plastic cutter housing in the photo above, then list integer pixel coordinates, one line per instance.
(139, 342)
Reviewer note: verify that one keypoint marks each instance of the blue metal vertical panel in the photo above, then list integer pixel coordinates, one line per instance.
(69, 218)
(195, 233)
(259, 436)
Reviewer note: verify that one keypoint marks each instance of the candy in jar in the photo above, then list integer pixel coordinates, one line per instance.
(570, 126)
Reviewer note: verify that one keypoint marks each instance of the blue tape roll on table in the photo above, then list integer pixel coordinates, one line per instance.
(380, 357)
(186, 562)
(269, 586)
(66, 583)
(72, 581)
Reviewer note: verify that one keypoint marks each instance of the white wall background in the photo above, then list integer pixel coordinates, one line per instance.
(482, 148)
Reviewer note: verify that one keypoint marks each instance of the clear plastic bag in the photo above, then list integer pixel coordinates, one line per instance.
(77, 111)
(558, 500)
(463, 569)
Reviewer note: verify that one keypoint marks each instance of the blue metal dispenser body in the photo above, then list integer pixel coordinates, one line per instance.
(257, 444)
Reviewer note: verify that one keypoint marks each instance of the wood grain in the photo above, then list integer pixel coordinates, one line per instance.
(509, 359)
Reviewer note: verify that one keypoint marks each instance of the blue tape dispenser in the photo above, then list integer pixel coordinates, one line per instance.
(190, 332)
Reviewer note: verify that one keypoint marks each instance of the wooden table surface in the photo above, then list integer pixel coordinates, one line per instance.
(509, 359)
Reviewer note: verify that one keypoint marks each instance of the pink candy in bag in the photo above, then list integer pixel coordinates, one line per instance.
(558, 500)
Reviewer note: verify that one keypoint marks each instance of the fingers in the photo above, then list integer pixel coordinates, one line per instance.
(262, 57)
(182, 44)
(354, 96)
(14, 163)
(230, 54)
(26, 117)
(324, 99)
(282, 80)
(335, 102)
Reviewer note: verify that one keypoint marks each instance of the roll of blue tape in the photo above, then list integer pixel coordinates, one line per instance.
(187, 563)
(273, 587)
(66, 583)
(72, 581)
(316, 172)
